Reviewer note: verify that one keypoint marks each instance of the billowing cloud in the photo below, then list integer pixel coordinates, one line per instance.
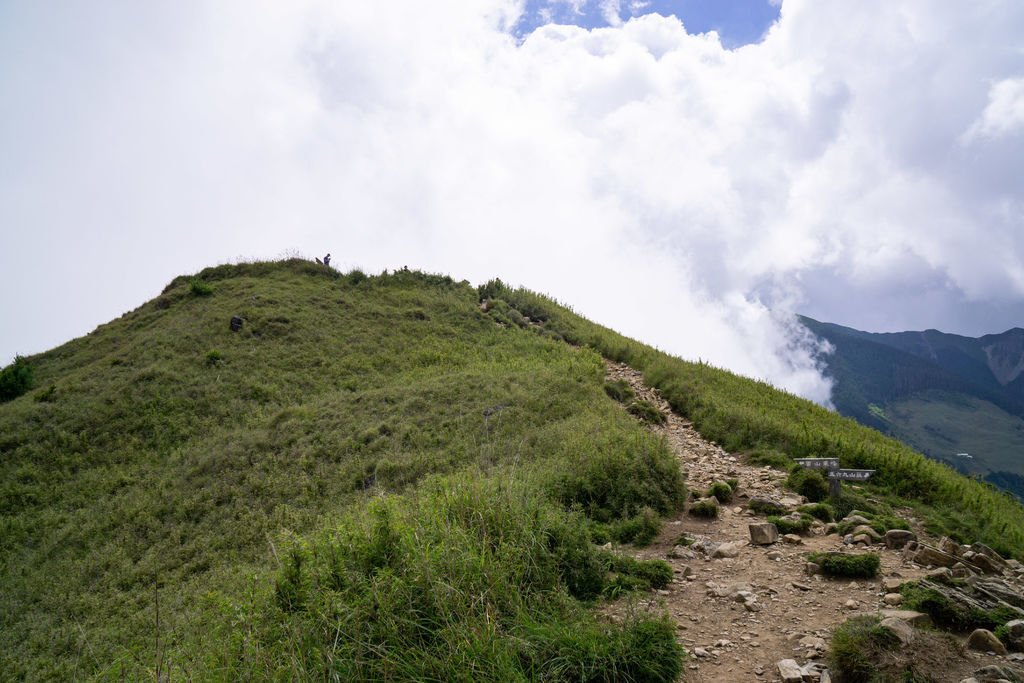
(860, 164)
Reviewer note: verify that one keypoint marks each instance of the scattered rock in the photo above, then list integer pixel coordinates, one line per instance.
(863, 539)
(915, 619)
(940, 575)
(1015, 634)
(726, 550)
(792, 539)
(810, 568)
(854, 518)
(867, 531)
(949, 546)
(985, 641)
(774, 555)
(898, 538)
(831, 528)
(961, 571)
(995, 674)
(764, 533)
(851, 604)
(800, 586)
(790, 671)
(682, 552)
(892, 599)
(933, 557)
(892, 584)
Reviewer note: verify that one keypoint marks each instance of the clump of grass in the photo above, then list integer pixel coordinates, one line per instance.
(707, 508)
(769, 456)
(820, 511)
(214, 357)
(722, 491)
(47, 395)
(652, 573)
(646, 411)
(792, 526)
(809, 483)
(197, 287)
(639, 530)
(847, 565)
(619, 390)
(880, 523)
(857, 647)
(15, 379)
(944, 612)
(763, 506)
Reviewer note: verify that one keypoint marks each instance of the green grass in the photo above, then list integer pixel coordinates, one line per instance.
(790, 526)
(772, 427)
(847, 565)
(157, 471)
(15, 379)
(857, 647)
(951, 615)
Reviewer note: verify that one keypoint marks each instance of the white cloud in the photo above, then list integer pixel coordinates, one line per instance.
(686, 194)
(1004, 113)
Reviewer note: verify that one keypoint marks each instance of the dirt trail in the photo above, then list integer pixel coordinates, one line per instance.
(795, 613)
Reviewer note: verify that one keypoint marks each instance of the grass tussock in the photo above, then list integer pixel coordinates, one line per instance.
(847, 565)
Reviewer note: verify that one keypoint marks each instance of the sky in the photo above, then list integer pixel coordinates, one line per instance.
(691, 173)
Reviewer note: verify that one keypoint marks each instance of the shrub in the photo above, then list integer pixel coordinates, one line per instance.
(721, 490)
(769, 457)
(707, 507)
(619, 390)
(199, 288)
(213, 357)
(651, 573)
(810, 483)
(646, 411)
(844, 565)
(820, 511)
(15, 379)
(639, 530)
(857, 646)
(792, 526)
(355, 276)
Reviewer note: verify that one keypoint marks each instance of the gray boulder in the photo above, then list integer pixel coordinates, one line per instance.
(898, 538)
(985, 641)
(764, 533)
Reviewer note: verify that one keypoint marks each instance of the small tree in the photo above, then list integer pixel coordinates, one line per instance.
(15, 379)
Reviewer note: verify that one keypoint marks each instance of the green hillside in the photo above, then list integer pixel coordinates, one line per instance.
(375, 478)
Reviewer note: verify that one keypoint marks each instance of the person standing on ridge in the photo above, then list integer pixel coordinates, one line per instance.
(327, 260)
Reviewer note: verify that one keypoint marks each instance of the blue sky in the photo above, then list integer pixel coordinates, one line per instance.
(738, 22)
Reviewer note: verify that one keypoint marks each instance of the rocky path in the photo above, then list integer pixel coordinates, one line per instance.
(741, 613)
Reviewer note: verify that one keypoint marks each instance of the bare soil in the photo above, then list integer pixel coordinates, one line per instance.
(795, 613)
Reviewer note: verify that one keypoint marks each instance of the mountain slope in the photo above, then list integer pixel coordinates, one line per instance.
(376, 477)
(944, 394)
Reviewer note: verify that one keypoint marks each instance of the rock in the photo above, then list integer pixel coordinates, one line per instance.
(752, 606)
(898, 538)
(765, 533)
(774, 555)
(892, 584)
(866, 530)
(1015, 634)
(995, 674)
(892, 599)
(731, 549)
(810, 568)
(831, 528)
(949, 546)
(813, 642)
(686, 570)
(813, 672)
(983, 549)
(792, 539)
(899, 628)
(915, 619)
(854, 518)
(929, 556)
(961, 571)
(985, 641)
(790, 671)
(987, 564)
(800, 586)
(851, 604)
(940, 575)
(863, 539)
(790, 501)
(701, 652)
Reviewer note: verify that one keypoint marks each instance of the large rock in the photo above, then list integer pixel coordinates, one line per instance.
(928, 556)
(949, 546)
(854, 518)
(898, 538)
(1015, 634)
(996, 558)
(985, 641)
(899, 628)
(866, 530)
(790, 671)
(731, 549)
(987, 564)
(765, 533)
(915, 619)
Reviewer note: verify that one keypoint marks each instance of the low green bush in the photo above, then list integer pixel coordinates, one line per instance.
(15, 379)
(770, 457)
(199, 288)
(857, 647)
(820, 511)
(213, 357)
(763, 506)
(646, 411)
(722, 491)
(653, 573)
(809, 483)
(847, 565)
(619, 390)
(791, 526)
(707, 508)
(639, 530)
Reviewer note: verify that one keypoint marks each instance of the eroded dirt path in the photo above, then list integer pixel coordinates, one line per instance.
(793, 614)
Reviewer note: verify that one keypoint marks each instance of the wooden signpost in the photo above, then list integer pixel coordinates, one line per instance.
(836, 476)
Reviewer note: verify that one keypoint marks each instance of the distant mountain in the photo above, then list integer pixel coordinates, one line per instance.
(957, 399)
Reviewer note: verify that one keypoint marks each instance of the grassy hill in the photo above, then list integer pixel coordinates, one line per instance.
(375, 478)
